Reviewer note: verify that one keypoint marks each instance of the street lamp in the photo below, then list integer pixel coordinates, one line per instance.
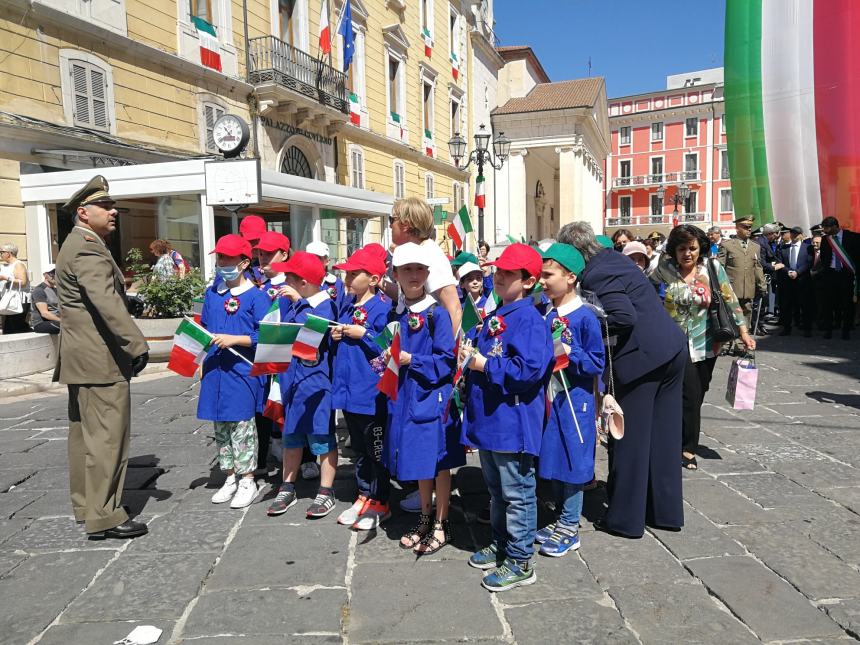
(479, 156)
(679, 197)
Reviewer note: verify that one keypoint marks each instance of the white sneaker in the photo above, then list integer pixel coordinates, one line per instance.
(412, 502)
(226, 492)
(310, 470)
(374, 515)
(246, 493)
(350, 515)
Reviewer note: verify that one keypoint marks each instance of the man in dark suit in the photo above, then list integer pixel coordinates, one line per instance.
(795, 283)
(649, 354)
(770, 264)
(838, 260)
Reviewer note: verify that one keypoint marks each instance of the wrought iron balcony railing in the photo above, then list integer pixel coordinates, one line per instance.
(666, 218)
(274, 61)
(656, 179)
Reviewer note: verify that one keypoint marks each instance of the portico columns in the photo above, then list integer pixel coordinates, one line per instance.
(569, 184)
(517, 194)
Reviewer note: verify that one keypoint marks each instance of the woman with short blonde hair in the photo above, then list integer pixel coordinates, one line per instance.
(13, 275)
(415, 213)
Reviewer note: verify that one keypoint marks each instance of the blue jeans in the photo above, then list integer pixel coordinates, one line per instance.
(568, 502)
(511, 481)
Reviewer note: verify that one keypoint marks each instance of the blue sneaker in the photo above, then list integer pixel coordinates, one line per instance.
(563, 539)
(543, 534)
(510, 575)
(487, 558)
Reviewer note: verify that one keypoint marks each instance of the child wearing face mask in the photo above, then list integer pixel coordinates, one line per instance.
(229, 395)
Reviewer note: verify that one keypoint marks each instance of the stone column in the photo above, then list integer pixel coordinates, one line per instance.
(38, 238)
(207, 237)
(517, 194)
(569, 184)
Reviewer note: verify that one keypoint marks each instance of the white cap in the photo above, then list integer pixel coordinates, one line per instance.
(632, 248)
(466, 268)
(410, 253)
(318, 248)
(49, 268)
(544, 244)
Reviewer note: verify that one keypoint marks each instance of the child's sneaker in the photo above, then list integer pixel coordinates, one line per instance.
(562, 540)
(285, 498)
(510, 575)
(310, 470)
(226, 492)
(544, 534)
(350, 515)
(374, 514)
(246, 493)
(412, 502)
(487, 558)
(323, 504)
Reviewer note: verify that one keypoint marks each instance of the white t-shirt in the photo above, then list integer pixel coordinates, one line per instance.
(440, 268)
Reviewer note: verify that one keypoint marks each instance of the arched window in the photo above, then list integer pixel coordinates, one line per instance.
(294, 162)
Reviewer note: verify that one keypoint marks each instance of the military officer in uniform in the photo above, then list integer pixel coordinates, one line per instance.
(100, 350)
(741, 258)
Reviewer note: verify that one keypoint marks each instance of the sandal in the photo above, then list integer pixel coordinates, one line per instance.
(417, 533)
(689, 463)
(430, 544)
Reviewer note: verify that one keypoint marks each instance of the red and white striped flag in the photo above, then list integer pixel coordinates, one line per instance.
(274, 408)
(310, 337)
(325, 29)
(480, 198)
(561, 358)
(390, 377)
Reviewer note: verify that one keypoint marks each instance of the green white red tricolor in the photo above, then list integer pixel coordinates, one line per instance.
(274, 348)
(210, 49)
(480, 198)
(390, 377)
(309, 338)
(274, 408)
(792, 96)
(325, 29)
(459, 226)
(354, 110)
(190, 344)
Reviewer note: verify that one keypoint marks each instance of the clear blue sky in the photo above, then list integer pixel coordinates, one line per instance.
(634, 44)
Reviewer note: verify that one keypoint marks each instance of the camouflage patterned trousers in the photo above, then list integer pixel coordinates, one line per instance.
(237, 445)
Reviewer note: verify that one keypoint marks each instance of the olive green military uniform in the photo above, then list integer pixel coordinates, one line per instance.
(98, 341)
(743, 266)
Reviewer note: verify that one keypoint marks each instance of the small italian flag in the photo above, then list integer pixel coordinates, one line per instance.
(274, 348)
(325, 30)
(197, 309)
(274, 408)
(459, 226)
(493, 302)
(428, 143)
(428, 42)
(354, 113)
(480, 198)
(471, 315)
(561, 358)
(389, 381)
(310, 336)
(455, 66)
(190, 344)
(210, 49)
(384, 338)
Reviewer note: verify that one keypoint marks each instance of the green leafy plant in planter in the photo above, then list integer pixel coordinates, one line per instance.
(164, 298)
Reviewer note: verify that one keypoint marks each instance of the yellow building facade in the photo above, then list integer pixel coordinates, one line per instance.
(129, 89)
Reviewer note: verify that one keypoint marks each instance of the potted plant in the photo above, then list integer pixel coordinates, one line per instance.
(164, 301)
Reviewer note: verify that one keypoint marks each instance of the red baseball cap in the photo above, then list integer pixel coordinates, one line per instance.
(364, 260)
(252, 227)
(519, 256)
(377, 250)
(232, 244)
(305, 265)
(272, 241)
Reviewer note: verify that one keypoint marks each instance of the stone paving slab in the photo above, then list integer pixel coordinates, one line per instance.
(753, 592)
(847, 497)
(198, 532)
(645, 560)
(699, 538)
(770, 490)
(14, 501)
(50, 534)
(100, 632)
(589, 621)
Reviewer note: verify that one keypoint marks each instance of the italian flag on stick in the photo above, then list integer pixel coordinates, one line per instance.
(389, 381)
(471, 316)
(190, 344)
(354, 112)
(274, 408)
(274, 348)
(325, 30)
(197, 309)
(560, 349)
(384, 338)
(459, 226)
(210, 55)
(480, 198)
(310, 336)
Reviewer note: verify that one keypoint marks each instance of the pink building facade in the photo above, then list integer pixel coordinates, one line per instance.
(668, 141)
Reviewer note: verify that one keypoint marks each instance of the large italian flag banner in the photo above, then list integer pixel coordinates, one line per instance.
(792, 96)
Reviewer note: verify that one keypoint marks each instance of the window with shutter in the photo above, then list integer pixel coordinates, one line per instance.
(82, 102)
(90, 93)
(399, 180)
(211, 113)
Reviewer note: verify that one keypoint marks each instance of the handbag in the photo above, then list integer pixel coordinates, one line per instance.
(721, 322)
(611, 414)
(743, 378)
(12, 301)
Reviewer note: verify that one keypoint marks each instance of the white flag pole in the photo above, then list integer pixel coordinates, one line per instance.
(229, 349)
(570, 403)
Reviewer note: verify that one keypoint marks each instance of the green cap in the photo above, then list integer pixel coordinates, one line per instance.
(567, 256)
(605, 242)
(462, 258)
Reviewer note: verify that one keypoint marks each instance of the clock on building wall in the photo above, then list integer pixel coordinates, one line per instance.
(231, 135)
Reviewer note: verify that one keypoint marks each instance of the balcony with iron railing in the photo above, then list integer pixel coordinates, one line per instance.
(272, 62)
(641, 181)
(665, 219)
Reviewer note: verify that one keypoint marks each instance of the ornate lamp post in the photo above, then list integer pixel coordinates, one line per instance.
(679, 197)
(479, 156)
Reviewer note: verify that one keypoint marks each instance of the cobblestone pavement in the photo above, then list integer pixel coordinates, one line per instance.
(770, 550)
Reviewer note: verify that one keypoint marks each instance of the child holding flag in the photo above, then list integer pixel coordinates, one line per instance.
(306, 385)
(229, 395)
(507, 372)
(415, 444)
(567, 448)
(354, 390)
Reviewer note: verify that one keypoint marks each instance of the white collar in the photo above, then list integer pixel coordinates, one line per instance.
(235, 291)
(318, 298)
(278, 278)
(330, 278)
(569, 307)
(425, 303)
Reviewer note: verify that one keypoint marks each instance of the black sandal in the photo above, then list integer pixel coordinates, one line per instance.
(689, 463)
(430, 542)
(421, 530)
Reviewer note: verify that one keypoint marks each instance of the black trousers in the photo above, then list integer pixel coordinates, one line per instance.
(644, 470)
(697, 380)
(47, 327)
(795, 302)
(264, 438)
(366, 431)
(836, 298)
(17, 323)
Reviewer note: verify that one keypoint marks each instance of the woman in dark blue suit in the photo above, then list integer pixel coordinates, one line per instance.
(649, 353)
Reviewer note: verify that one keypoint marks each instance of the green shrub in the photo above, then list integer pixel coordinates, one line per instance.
(170, 298)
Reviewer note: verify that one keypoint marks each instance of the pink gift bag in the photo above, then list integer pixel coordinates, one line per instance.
(743, 376)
